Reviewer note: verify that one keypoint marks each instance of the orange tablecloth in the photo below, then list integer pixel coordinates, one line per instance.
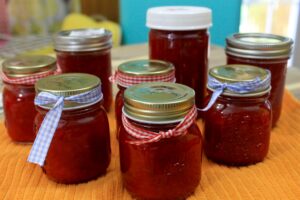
(278, 177)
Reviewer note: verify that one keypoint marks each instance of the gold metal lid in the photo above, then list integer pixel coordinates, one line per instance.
(146, 67)
(67, 85)
(23, 66)
(158, 102)
(259, 46)
(238, 74)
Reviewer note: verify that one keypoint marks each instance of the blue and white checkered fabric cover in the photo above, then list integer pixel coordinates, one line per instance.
(257, 84)
(46, 132)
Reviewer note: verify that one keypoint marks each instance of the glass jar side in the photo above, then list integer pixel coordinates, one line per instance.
(237, 130)
(19, 112)
(80, 149)
(188, 51)
(97, 63)
(278, 68)
(119, 103)
(172, 164)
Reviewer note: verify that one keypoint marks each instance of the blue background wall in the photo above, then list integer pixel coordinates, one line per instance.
(226, 17)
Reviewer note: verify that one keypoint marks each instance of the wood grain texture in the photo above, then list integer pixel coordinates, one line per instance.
(278, 177)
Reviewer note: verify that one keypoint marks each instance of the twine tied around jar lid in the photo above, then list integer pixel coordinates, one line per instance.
(26, 70)
(144, 136)
(57, 100)
(237, 81)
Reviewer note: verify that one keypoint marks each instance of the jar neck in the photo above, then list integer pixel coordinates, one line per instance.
(121, 87)
(75, 112)
(256, 61)
(241, 99)
(153, 127)
(23, 86)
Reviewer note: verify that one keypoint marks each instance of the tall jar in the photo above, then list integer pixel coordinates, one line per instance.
(179, 34)
(19, 75)
(238, 125)
(138, 71)
(160, 143)
(267, 51)
(78, 148)
(86, 51)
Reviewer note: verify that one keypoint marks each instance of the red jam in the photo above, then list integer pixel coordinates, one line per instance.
(188, 51)
(278, 68)
(80, 149)
(167, 169)
(97, 63)
(19, 112)
(237, 130)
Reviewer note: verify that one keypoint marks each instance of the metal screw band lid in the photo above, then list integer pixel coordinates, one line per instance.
(22, 66)
(259, 46)
(146, 67)
(82, 40)
(67, 84)
(158, 102)
(240, 80)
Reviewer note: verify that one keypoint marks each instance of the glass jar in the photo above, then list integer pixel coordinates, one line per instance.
(86, 51)
(238, 125)
(139, 71)
(167, 160)
(266, 51)
(182, 38)
(80, 148)
(19, 75)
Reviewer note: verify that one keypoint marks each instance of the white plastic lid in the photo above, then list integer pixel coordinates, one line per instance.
(179, 18)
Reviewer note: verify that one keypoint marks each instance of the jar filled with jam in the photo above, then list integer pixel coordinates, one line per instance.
(86, 51)
(19, 75)
(79, 150)
(266, 51)
(139, 71)
(238, 125)
(160, 143)
(179, 34)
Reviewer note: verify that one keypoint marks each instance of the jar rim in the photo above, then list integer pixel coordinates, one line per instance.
(259, 45)
(28, 65)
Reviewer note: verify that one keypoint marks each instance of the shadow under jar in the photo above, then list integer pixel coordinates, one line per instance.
(86, 51)
(179, 34)
(19, 75)
(266, 51)
(80, 148)
(162, 160)
(237, 127)
(138, 71)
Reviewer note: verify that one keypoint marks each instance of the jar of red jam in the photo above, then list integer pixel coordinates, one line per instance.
(179, 34)
(19, 76)
(80, 148)
(160, 143)
(267, 51)
(139, 71)
(86, 51)
(238, 125)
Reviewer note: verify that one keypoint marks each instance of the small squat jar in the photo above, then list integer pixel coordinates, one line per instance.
(19, 75)
(138, 71)
(86, 51)
(158, 162)
(238, 125)
(266, 51)
(179, 34)
(80, 148)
